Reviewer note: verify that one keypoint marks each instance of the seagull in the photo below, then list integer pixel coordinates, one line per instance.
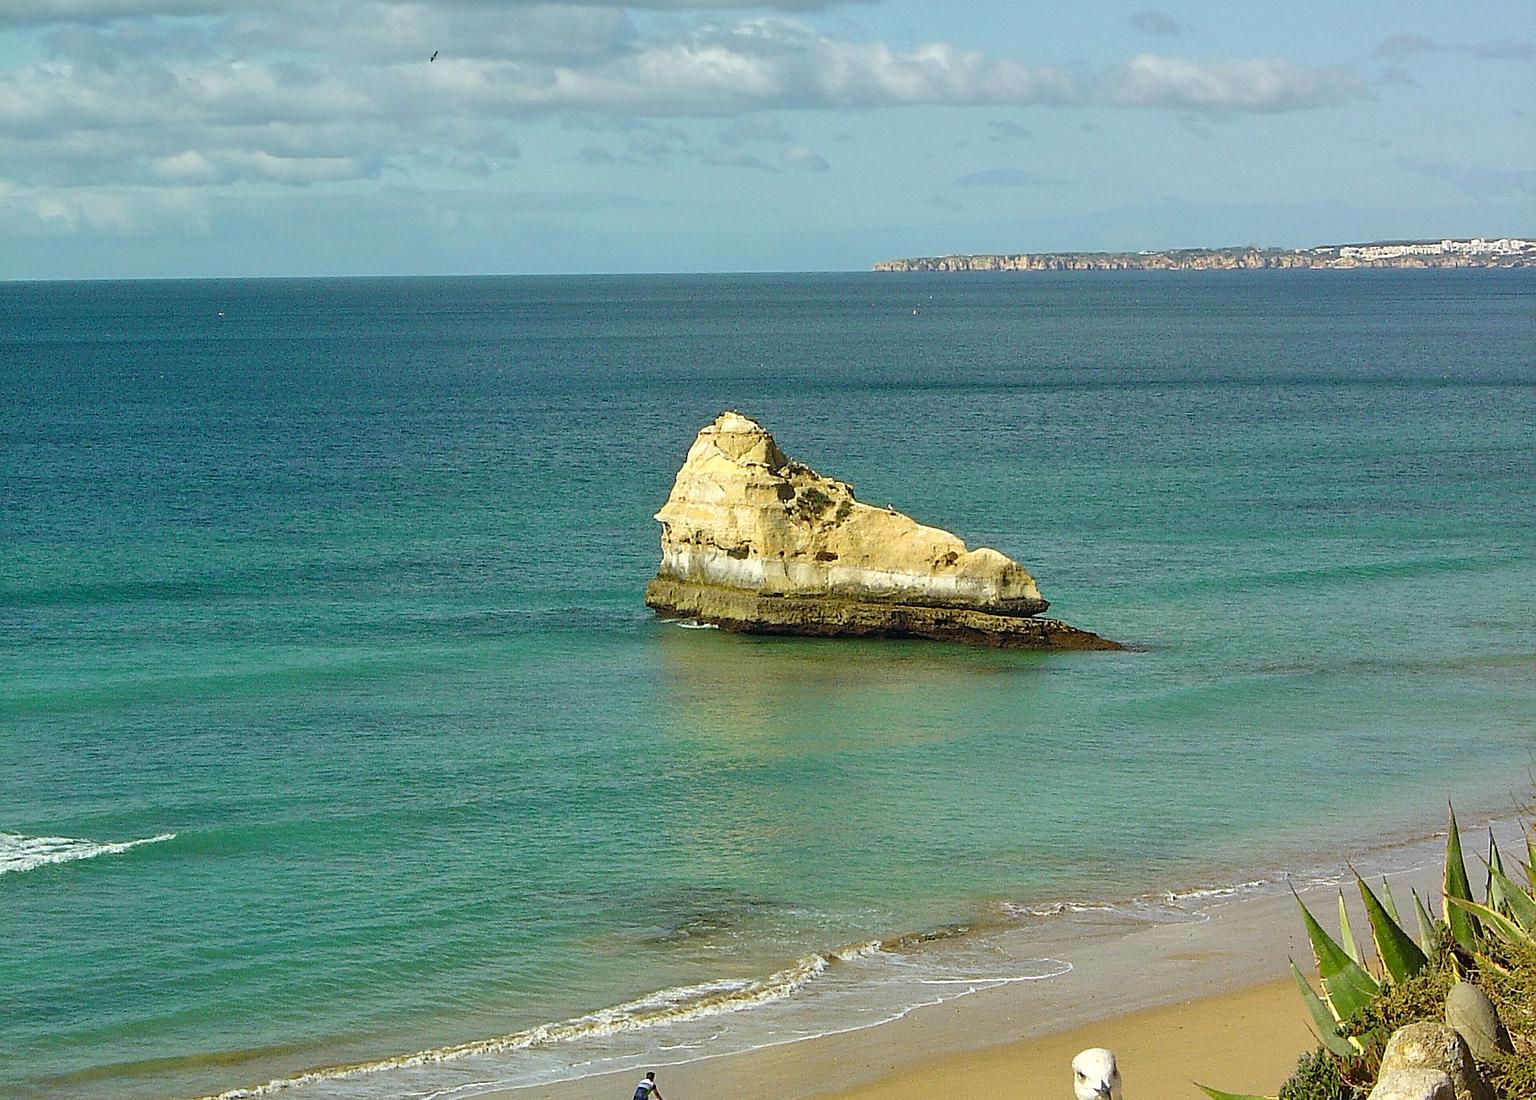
(433, 57)
(1095, 1075)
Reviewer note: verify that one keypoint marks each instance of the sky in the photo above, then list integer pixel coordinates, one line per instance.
(168, 138)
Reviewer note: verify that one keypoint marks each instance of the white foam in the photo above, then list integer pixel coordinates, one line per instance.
(680, 1004)
(23, 853)
(858, 951)
(1176, 896)
(1057, 908)
(1059, 967)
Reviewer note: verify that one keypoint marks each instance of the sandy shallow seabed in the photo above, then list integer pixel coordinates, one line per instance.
(1208, 1001)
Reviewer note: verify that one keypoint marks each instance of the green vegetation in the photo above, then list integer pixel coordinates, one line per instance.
(811, 503)
(1362, 1001)
(1318, 1076)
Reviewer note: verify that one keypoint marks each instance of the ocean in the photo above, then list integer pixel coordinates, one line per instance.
(340, 758)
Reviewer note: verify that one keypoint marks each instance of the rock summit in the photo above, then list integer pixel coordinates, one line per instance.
(755, 542)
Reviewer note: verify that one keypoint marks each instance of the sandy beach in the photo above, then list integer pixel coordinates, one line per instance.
(1207, 1000)
(1246, 1041)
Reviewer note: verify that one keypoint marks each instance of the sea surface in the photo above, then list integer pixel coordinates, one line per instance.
(334, 732)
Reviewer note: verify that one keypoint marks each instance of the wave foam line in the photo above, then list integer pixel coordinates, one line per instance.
(1060, 968)
(23, 853)
(667, 1006)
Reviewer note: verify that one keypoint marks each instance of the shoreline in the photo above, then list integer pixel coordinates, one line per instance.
(1163, 963)
(1158, 983)
(1167, 959)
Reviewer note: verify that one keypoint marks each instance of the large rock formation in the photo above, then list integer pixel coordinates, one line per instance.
(754, 542)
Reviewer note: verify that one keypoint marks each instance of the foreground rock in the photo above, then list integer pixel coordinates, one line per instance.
(1414, 1084)
(1469, 1011)
(1436, 1047)
(754, 542)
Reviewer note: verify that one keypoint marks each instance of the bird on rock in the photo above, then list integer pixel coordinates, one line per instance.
(1095, 1075)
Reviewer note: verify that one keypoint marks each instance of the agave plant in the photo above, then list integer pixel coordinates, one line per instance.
(1350, 983)
(1507, 914)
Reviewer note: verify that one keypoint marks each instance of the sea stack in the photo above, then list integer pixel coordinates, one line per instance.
(754, 542)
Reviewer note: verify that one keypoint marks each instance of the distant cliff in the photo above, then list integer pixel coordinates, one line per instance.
(1477, 252)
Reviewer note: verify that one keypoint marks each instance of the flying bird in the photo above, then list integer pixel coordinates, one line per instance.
(433, 57)
(1095, 1075)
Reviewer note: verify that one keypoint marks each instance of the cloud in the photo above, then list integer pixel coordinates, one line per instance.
(1004, 177)
(400, 30)
(648, 145)
(1397, 76)
(1261, 85)
(110, 211)
(738, 159)
(1197, 126)
(751, 129)
(1405, 45)
(1003, 130)
(1512, 49)
(287, 96)
(1153, 21)
(1400, 46)
(32, 13)
(805, 159)
(1475, 180)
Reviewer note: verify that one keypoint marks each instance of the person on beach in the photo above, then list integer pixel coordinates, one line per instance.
(646, 1089)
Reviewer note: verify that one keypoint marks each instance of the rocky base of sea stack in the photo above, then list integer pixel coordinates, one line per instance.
(745, 612)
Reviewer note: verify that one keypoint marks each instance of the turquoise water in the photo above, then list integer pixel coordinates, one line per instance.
(329, 591)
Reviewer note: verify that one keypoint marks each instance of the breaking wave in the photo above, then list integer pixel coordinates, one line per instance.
(668, 1006)
(677, 1005)
(23, 853)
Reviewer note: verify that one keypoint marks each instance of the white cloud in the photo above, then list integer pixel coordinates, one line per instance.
(111, 211)
(284, 96)
(804, 158)
(189, 166)
(50, 12)
(413, 30)
(1259, 84)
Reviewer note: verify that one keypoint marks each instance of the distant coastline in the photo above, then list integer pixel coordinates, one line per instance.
(1474, 252)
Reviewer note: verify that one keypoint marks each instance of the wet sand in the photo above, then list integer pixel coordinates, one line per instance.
(1209, 1000)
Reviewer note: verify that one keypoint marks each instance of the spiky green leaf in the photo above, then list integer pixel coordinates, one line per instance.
(1462, 924)
(1493, 893)
(1426, 926)
(1347, 934)
(1400, 956)
(1388, 901)
(1217, 1094)
(1323, 1020)
(1496, 922)
(1518, 905)
(1345, 983)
